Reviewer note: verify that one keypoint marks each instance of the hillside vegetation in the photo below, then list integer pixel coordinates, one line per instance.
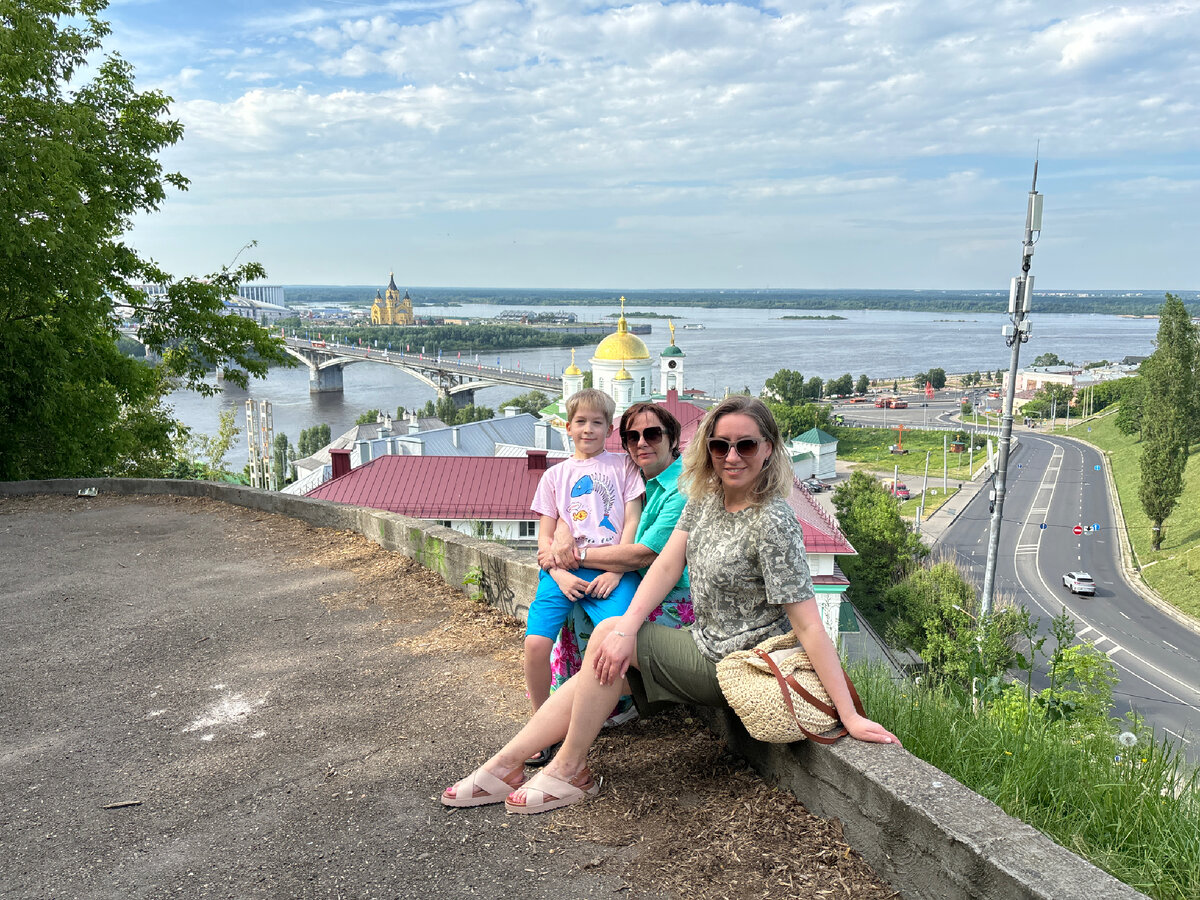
(1173, 571)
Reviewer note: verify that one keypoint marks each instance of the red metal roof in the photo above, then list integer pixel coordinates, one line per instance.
(821, 532)
(440, 487)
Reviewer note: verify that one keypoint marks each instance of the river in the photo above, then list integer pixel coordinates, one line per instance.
(737, 348)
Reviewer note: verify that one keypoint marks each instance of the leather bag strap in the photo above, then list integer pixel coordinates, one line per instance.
(790, 681)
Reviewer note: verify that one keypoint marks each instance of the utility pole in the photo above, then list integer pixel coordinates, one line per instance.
(1020, 297)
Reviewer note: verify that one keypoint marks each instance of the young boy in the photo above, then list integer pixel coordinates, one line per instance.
(597, 493)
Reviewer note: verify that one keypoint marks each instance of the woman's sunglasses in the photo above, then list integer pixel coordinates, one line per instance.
(747, 448)
(653, 435)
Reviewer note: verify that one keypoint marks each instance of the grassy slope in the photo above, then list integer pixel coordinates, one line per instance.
(1174, 571)
(869, 446)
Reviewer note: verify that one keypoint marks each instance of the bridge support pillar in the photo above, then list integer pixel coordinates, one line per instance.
(462, 398)
(325, 381)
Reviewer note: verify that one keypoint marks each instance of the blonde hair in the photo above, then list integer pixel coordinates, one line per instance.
(700, 478)
(590, 398)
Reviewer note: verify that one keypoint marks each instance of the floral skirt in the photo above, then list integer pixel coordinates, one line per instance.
(567, 656)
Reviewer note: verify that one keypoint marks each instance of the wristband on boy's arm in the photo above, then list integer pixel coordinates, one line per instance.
(583, 554)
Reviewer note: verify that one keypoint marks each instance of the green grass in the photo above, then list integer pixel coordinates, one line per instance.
(937, 497)
(869, 446)
(1174, 571)
(1134, 812)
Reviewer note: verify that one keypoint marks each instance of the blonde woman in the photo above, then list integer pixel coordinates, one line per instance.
(750, 580)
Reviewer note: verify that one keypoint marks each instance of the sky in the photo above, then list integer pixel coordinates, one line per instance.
(570, 144)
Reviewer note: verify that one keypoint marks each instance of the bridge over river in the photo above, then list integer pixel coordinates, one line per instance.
(452, 378)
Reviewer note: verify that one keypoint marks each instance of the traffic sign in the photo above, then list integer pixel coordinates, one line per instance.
(1097, 468)
(1095, 526)
(1042, 526)
(1078, 529)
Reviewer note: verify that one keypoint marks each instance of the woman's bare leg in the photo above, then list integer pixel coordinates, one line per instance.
(546, 728)
(591, 703)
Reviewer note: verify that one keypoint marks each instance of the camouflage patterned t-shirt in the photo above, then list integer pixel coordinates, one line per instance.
(743, 567)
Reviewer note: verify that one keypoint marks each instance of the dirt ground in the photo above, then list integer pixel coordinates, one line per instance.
(678, 815)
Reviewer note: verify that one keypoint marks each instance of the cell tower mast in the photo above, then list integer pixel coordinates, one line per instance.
(1020, 297)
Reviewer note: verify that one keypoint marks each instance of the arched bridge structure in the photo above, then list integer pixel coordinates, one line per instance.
(450, 378)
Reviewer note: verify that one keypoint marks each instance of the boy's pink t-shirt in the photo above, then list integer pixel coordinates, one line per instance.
(591, 495)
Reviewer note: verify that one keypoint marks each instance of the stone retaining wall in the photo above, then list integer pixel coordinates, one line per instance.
(921, 830)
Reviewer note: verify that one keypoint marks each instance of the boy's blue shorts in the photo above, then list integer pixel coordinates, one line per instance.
(550, 605)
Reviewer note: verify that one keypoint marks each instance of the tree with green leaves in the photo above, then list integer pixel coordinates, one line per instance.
(1048, 359)
(887, 549)
(795, 420)
(313, 439)
(369, 417)
(80, 148)
(813, 388)
(531, 402)
(1051, 397)
(283, 453)
(1133, 398)
(937, 378)
(1168, 414)
(860, 386)
(786, 387)
(935, 611)
(843, 385)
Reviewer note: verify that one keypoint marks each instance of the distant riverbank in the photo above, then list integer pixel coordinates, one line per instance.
(1105, 302)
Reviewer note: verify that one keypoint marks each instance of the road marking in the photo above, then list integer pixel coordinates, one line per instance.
(1192, 689)
(1180, 736)
(1172, 646)
(1115, 649)
(1027, 548)
(1124, 614)
(1080, 634)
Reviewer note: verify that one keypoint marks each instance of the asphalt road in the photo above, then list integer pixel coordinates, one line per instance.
(193, 706)
(1059, 484)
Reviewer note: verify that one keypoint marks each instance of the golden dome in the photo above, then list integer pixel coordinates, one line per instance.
(572, 369)
(623, 375)
(622, 345)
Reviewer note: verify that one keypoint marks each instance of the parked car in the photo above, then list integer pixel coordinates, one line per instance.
(814, 485)
(1079, 583)
(896, 488)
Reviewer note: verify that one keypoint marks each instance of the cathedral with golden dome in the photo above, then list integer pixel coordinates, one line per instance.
(391, 309)
(623, 369)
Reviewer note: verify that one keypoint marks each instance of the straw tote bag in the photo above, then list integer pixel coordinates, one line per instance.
(777, 695)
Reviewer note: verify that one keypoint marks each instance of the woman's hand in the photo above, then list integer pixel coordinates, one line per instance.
(572, 586)
(616, 653)
(864, 729)
(563, 553)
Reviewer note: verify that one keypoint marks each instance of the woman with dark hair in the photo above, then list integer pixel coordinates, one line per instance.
(750, 580)
(650, 435)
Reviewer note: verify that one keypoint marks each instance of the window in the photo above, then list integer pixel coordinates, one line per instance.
(445, 523)
(643, 387)
(483, 529)
(527, 529)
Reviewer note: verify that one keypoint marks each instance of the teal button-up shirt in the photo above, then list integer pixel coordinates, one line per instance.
(664, 505)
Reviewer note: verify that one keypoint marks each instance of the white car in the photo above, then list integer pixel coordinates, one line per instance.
(1079, 583)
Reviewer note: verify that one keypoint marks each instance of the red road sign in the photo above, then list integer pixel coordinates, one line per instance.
(1078, 529)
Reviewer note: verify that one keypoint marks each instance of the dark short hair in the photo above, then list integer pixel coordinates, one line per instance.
(669, 423)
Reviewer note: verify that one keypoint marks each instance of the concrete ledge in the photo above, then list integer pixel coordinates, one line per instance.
(921, 830)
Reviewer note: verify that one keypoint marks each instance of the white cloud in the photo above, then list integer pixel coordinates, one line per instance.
(659, 111)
